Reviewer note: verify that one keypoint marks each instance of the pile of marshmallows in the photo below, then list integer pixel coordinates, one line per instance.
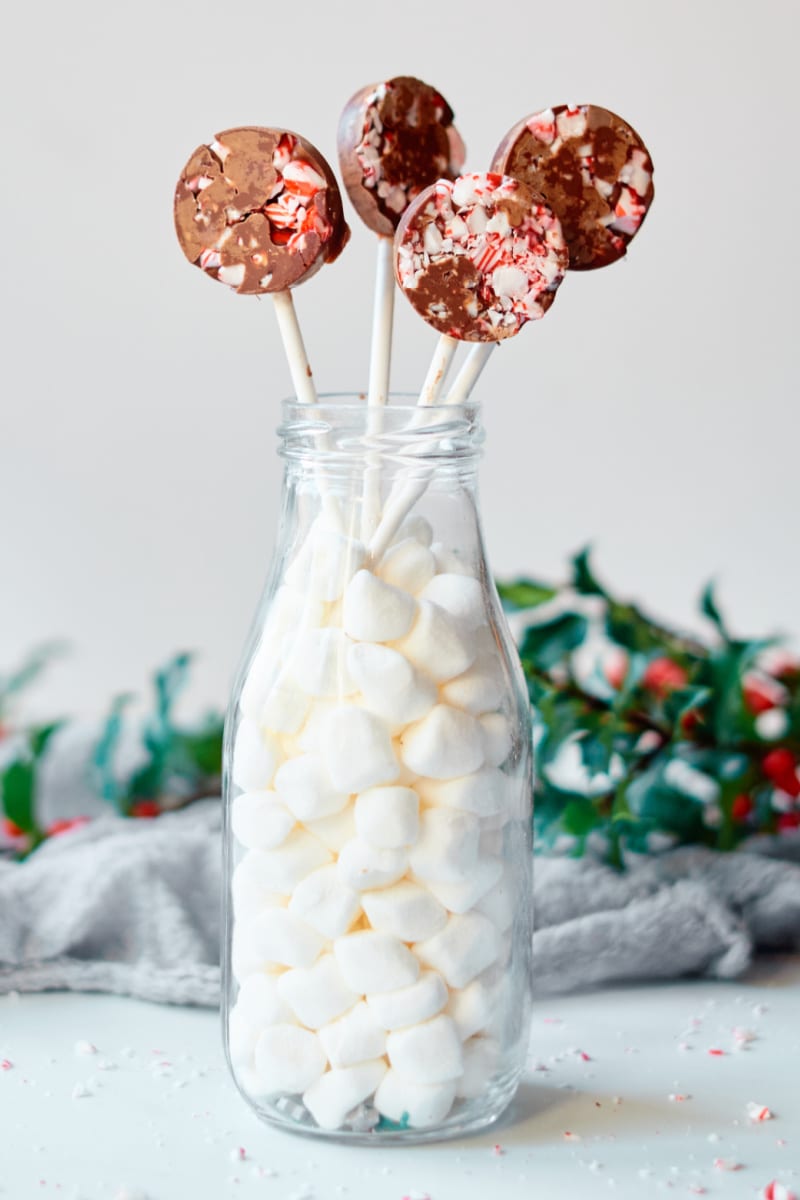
(372, 924)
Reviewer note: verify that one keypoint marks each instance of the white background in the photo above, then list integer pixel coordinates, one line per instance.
(653, 412)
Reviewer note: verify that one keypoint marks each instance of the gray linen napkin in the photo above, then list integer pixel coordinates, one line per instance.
(133, 907)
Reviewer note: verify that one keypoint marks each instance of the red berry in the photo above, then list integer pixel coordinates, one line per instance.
(756, 698)
(780, 768)
(789, 820)
(145, 808)
(663, 676)
(742, 807)
(65, 824)
(690, 720)
(11, 830)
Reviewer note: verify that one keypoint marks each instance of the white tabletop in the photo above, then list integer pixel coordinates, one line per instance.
(623, 1097)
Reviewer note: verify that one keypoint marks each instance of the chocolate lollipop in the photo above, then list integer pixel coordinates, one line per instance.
(260, 210)
(594, 171)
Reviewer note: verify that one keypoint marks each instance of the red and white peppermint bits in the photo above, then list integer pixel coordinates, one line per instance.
(480, 256)
(259, 210)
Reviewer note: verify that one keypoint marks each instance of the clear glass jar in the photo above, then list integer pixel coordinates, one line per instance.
(378, 794)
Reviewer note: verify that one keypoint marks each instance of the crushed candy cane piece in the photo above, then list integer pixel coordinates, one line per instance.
(758, 1112)
(238, 1154)
(777, 1191)
(81, 1091)
(743, 1037)
(715, 1052)
(678, 1097)
(85, 1048)
(727, 1164)
(6, 1065)
(569, 1136)
(498, 1150)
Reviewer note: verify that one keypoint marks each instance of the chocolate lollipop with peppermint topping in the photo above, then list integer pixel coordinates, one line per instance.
(594, 171)
(260, 210)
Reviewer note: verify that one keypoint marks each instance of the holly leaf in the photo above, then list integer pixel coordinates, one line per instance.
(580, 817)
(524, 593)
(202, 751)
(39, 738)
(709, 608)
(545, 645)
(683, 700)
(583, 578)
(18, 793)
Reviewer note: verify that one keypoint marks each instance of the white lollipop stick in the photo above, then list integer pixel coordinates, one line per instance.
(293, 345)
(470, 373)
(379, 369)
(437, 371)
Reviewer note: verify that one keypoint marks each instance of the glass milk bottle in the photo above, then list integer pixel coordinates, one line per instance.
(378, 794)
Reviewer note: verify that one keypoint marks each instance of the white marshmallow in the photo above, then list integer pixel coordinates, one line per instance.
(323, 901)
(461, 897)
(362, 866)
(248, 1080)
(447, 848)
(309, 739)
(246, 956)
(448, 561)
(388, 817)
(443, 745)
(285, 708)
(374, 611)
(408, 565)
(484, 792)
(250, 895)
(354, 1038)
(374, 962)
(255, 757)
(306, 789)
(282, 869)
(288, 1059)
(288, 610)
(420, 1105)
(406, 911)
(358, 750)
(435, 646)
(426, 1053)
(415, 527)
(260, 1002)
(481, 1056)
(497, 738)
(459, 595)
(491, 843)
(389, 684)
(280, 936)
(259, 820)
(481, 688)
(318, 994)
(317, 661)
(326, 562)
(339, 1091)
(409, 1005)
(471, 1008)
(242, 1037)
(466, 946)
(498, 905)
(336, 831)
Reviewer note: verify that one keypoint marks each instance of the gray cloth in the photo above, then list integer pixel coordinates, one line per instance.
(134, 907)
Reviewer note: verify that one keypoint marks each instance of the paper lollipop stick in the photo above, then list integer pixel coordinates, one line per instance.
(395, 138)
(477, 258)
(260, 210)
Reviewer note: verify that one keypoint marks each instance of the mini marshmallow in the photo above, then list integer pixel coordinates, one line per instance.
(481, 1057)
(322, 900)
(336, 831)
(491, 843)
(354, 1038)
(471, 1008)
(326, 562)
(362, 866)
(309, 739)
(408, 565)
(280, 936)
(406, 911)
(288, 1059)
(259, 820)
(374, 962)
(282, 869)
(484, 792)
(415, 527)
(288, 610)
(250, 896)
(375, 611)
(358, 750)
(318, 994)
(497, 738)
(255, 757)
(447, 848)
(466, 946)
(419, 1104)
(260, 1002)
(479, 689)
(459, 595)
(242, 1037)
(306, 789)
(317, 661)
(448, 562)
(443, 745)
(409, 1005)
(498, 905)
(426, 1053)
(388, 817)
(285, 708)
(389, 684)
(460, 897)
(339, 1091)
(246, 956)
(435, 645)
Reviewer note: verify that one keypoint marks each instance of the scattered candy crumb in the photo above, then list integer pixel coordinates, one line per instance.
(758, 1112)
(715, 1052)
(727, 1164)
(6, 1065)
(776, 1191)
(85, 1048)
(569, 1136)
(498, 1150)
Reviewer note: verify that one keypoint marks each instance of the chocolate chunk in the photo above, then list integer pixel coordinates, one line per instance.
(395, 138)
(593, 170)
(259, 210)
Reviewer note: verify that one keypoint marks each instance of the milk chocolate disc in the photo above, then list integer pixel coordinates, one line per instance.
(480, 256)
(594, 171)
(259, 210)
(395, 138)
